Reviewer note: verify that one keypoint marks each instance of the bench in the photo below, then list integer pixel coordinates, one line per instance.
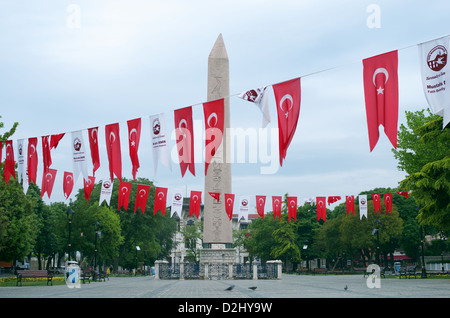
(86, 275)
(408, 272)
(101, 275)
(34, 274)
(320, 271)
(368, 273)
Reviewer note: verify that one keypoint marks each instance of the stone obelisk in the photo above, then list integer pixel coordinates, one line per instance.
(217, 228)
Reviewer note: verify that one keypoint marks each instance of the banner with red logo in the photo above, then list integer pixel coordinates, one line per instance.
(287, 96)
(134, 135)
(214, 113)
(381, 96)
(362, 205)
(160, 142)
(433, 63)
(244, 207)
(141, 198)
(106, 192)
(113, 149)
(79, 157)
(258, 96)
(184, 131)
(177, 203)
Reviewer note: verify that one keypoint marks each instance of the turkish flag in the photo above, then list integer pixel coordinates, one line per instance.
(376, 202)
(333, 199)
(350, 204)
(32, 160)
(46, 156)
(67, 184)
(47, 182)
(113, 150)
(388, 202)
(9, 169)
(93, 145)
(214, 113)
(292, 208)
(54, 140)
(124, 194)
(321, 208)
(404, 193)
(276, 206)
(215, 195)
(141, 198)
(194, 203)
(229, 204)
(381, 96)
(160, 200)
(184, 131)
(88, 186)
(134, 134)
(287, 96)
(260, 204)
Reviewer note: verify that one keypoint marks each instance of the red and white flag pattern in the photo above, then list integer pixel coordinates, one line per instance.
(134, 135)
(350, 204)
(381, 96)
(214, 113)
(67, 184)
(260, 205)
(376, 202)
(388, 202)
(113, 149)
(124, 195)
(287, 96)
(141, 198)
(48, 180)
(194, 203)
(292, 208)
(32, 160)
(229, 204)
(276, 207)
(88, 186)
(160, 200)
(93, 144)
(9, 169)
(184, 131)
(321, 208)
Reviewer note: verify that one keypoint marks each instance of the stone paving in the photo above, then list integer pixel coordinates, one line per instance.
(290, 286)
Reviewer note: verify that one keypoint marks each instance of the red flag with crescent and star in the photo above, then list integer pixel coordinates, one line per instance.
(333, 199)
(287, 96)
(388, 202)
(350, 204)
(141, 198)
(9, 169)
(321, 208)
(184, 131)
(32, 160)
(229, 204)
(67, 184)
(88, 186)
(376, 202)
(214, 112)
(124, 195)
(215, 195)
(46, 156)
(48, 180)
(381, 96)
(292, 208)
(54, 140)
(113, 150)
(194, 203)
(276, 207)
(260, 204)
(160, 200)
(404, 193)
(93, 144)
(134, 135)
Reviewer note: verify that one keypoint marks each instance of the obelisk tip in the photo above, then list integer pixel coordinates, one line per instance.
(219, 50)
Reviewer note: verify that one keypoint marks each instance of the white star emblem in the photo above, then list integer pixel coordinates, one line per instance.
(380, 90)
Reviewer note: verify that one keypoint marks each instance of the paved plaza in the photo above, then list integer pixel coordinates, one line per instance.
(290, 286)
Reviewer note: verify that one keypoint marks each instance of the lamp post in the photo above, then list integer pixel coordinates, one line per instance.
(442, 250)
(376, 231)
(70, 214)
(96, 224)
(424, 271)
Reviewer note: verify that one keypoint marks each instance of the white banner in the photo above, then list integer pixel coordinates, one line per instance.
(159, 141)
(79, 156)
(362, 206)
(106, 191)
(177, 203)
(22, 165)
(259, 97)
(433, 62)
(244, 207)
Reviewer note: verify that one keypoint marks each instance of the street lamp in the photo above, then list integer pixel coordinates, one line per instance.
(96, 224)
(70, 214)
(376, 231)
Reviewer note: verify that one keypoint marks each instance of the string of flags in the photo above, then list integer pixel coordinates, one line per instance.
(381, 102)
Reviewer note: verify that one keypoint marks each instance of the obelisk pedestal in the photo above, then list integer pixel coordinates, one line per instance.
(217, 228)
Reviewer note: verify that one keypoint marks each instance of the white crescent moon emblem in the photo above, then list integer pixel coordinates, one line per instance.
(277, 202)
(380, 70)
(48, 176)
(292, 202)
(261, 201)
(213, 115)
(69, 178)
(160, 195)
(111, 134)
(229, 201)
(183, 121)
(92, 134)
(195, 197)
(133, 131)
(286, 97)
(34, 149)
(142, 190)
(320, 203)
(124, 190)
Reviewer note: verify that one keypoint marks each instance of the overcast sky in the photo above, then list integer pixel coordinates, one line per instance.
(72, 65)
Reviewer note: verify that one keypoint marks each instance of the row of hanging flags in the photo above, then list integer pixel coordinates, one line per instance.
(245, 206)
(381, 102)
